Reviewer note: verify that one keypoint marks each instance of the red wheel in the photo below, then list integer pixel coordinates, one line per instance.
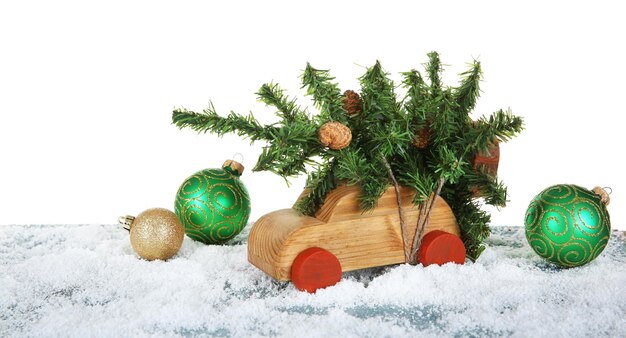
(439, 247)
(315, 268)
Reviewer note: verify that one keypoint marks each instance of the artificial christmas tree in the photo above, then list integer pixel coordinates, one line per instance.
(382, 150)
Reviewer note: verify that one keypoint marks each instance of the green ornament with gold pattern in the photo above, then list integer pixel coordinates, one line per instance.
(213, 204)
(568, 225)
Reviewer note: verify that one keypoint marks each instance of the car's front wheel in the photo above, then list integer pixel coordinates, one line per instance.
(314, 269)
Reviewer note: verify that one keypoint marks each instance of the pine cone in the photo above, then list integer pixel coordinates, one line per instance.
(335, 135)
(420, 141)
(352, 102)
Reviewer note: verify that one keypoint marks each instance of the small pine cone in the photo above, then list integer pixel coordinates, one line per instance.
(352, 102)
(335, 135)
(420, 141)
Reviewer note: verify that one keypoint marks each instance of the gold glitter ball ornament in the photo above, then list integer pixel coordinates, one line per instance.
(335, 135)
(155, 233)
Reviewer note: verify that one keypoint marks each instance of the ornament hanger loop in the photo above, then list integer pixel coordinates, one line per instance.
(610, 190)
(235, 157)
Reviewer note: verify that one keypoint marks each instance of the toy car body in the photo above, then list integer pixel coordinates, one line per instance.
(357, 239)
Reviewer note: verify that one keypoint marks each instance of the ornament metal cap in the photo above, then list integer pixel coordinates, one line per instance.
(126, 221)
(234, 165)
(604, 196)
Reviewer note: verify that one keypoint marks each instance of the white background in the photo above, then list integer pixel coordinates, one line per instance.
(87, 90)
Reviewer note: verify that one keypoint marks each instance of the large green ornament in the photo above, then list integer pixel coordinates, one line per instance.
(213, 204)
(568, 225)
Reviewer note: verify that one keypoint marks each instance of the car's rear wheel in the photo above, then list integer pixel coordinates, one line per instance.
(314, 269)
(439, 247)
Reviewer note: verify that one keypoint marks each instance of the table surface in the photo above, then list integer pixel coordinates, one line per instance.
(85, 280)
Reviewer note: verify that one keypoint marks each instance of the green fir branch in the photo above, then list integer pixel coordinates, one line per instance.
(326, 94)
(476, 230)
(468, 92)
(377, 90)
(423, 184)
(284, 161)
(490, 188)
(448, 166)
(433, 71)
(386, 129)
(473, 222)
(501, 126)
(272, 95)
(392, 138)
(352, 167)
(319, 183)
(416, 101)
(290, 150)
(210, 121)
(447, 125)
(373, 186)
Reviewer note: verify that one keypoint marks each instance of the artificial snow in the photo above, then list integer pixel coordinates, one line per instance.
(86, 281)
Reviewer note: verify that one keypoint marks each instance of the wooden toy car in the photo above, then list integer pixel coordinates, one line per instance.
(314, 251)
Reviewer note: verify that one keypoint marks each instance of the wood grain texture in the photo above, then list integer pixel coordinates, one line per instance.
(359, 240)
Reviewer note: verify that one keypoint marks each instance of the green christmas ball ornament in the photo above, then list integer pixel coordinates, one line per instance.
(568, 225)
(213, 204)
